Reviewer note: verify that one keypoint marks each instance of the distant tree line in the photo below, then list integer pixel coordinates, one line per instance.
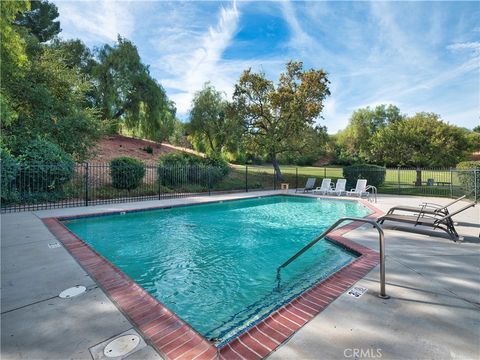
(63, 93)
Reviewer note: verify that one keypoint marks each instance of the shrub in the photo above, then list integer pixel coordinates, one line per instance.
(127, 173)
(9, 170)
(148, 149)
(184, 168)
(374, 174)
(467, 178)
(44, 167)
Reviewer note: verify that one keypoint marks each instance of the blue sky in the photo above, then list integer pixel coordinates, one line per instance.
(420, 56)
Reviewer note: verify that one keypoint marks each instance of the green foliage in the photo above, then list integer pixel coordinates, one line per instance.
(275, 118)
(476, 129)
(315, 146)
(127, 173)
(50, 104)
(183, 168)
(421, 140)
(44, 167)
(9, 170)
(13, 56)
(148, 149)
(355, 141)
(126, 91)
(468, 178)
(39, 21)
(374, 174)
(210, 127)
(179, 135)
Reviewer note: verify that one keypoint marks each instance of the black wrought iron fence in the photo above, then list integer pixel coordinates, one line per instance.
(36, 187)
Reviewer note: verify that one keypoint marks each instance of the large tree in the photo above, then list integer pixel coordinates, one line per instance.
(50, 104)
(212, 126)
(354, 141)
(275, 118)
(422, 140)
(40, 20)
(125, 91)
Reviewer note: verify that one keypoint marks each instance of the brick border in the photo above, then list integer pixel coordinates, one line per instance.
(174, 339)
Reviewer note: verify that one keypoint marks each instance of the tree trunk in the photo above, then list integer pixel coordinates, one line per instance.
(276, 167)
(418, 181)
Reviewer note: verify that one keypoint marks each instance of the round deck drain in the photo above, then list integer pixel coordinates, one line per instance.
(121, 346)
(73, 291)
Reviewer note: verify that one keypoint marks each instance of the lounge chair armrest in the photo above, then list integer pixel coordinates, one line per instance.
(432, 205)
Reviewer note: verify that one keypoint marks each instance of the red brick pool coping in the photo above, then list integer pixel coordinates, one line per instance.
(175, 339)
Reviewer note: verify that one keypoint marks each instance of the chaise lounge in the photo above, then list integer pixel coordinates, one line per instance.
(440, 221)
(427, 208)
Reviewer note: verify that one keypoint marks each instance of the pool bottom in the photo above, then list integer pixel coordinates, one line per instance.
(173, 338)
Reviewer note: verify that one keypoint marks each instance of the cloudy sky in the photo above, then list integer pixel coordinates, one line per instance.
(420, 56)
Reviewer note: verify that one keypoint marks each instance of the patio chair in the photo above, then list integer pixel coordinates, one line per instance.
(427, 208)
(360, 189)
(339, 187)
(324, 188)
(442, 222)
(310, 184)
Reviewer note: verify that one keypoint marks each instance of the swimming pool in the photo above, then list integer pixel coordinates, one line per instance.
(214, 265)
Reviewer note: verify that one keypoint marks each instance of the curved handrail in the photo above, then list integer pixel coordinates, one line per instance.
(381, 238)
(374, 191)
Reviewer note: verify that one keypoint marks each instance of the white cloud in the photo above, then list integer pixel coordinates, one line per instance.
(202, 59)
(474, 45)
(96, 21)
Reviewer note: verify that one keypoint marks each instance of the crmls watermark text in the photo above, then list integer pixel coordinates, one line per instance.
(356, 353)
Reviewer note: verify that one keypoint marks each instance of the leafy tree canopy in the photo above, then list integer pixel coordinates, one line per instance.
(212, 128)
(275, 118)
(13, 57)
(364, 123)
(421, 140)
(125, 91)
(49, 102)
(39, 20)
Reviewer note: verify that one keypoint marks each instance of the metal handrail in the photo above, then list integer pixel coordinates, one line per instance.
(381, 238)
(374, 191)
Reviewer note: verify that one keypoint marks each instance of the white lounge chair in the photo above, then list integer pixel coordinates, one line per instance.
(360, 189)
(324, 188)
(339, 188)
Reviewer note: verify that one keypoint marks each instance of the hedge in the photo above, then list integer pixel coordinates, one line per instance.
(374, 174)
(185, 169)
(127, 173)
(467, 178)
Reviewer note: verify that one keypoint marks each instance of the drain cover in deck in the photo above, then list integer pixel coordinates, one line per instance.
(121, 346)
(73, 291)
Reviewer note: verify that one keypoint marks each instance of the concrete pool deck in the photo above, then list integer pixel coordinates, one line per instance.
(434, 311)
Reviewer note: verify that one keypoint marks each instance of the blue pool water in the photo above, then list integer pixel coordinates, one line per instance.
(214, 265)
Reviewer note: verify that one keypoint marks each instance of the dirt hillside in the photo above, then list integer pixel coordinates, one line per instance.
(118, 145)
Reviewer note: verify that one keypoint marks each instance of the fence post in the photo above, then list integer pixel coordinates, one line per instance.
(209, 181)
(398, 179)
(451, 183)
(296, 179)
(475, 179)
(86, 184)
(246, 178)
(324, 172)
(159, 181)
(274, 179)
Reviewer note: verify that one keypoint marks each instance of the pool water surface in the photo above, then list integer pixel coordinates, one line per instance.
(214, 265)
